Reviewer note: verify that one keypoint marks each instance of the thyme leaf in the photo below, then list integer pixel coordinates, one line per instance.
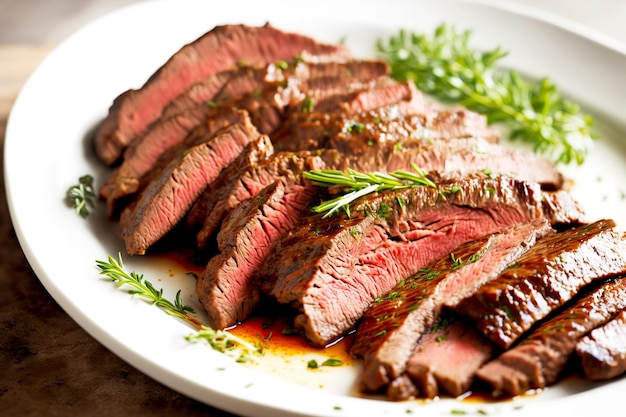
(82, 195)
(357, 184)
(446, 67)
(225, 342)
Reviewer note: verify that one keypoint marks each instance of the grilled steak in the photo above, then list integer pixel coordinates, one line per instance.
(255, 152)
(602, 352)
(142, 157)
(227, 288)
(167, 198)
(546, 277)
(391, 328)
(539, 359)
(314, 130)
(218, 50)
(307, 72)
(358, 151)
(333, 269)
(250, 181)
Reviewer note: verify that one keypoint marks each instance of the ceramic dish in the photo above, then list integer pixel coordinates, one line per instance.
(48, 148)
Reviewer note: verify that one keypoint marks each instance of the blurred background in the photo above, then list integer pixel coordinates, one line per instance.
(50, 21)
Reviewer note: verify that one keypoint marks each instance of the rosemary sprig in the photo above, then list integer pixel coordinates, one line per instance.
(139, 286)
(82, 195)
(446, 67)
(226, 342)
(357, 184)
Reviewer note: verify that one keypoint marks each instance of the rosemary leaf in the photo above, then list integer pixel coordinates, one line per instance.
(357, 184)
(445, 66)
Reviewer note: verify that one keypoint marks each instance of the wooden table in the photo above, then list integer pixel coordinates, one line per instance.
(49, 365)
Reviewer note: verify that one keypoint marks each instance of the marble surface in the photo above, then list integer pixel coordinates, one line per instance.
(50, 366)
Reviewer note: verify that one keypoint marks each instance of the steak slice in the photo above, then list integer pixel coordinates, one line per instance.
(539, 359)
(249, 182)
(602, 352)
(447, 358)
(332, 269)
(141, 157)
(255, 152)
(219, 49)
(228, 289)
(545, 278)
(167, 198)
(314, 130)
(392, 326)
(307, 72)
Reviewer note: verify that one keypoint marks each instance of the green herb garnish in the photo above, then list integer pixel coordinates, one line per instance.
(82, 195)
(446, 67)
(144, 288)
(356, 185)
(313, 364)
(225, 342)
(219, 340)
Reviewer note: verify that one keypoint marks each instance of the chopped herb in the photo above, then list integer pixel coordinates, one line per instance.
(313, 364)
(212, 104)
(307, 105)
(82, 195)
(225, 342)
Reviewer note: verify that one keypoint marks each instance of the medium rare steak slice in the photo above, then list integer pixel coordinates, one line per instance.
(255, 152)
(219, 49)
(169, 196)
(306, 72)
(540, 359)
(545, 278)
(332, 269)
(313, 130)
(391, 327)
(228, 288)
(250, 181)
(602, 352)
(143, 155)
(447, 358)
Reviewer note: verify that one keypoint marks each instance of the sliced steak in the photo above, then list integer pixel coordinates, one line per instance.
(219, 49)
(602, 352)
(447, 358)
(545, 278)
(333, 268)
(391, 327)
(314, 130)
(453, 157)
(199, 93)
(143, 155)
(249, 181)
(539, 359)
(255, 152)
(228, 288)
(305, 71)
(168, 197)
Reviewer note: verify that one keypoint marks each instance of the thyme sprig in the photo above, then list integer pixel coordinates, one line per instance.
(356, 184)
(446, 67)
(226, 342)
(82, 195)
(114, 270)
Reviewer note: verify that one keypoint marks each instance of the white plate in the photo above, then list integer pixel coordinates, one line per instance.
(48, 148)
